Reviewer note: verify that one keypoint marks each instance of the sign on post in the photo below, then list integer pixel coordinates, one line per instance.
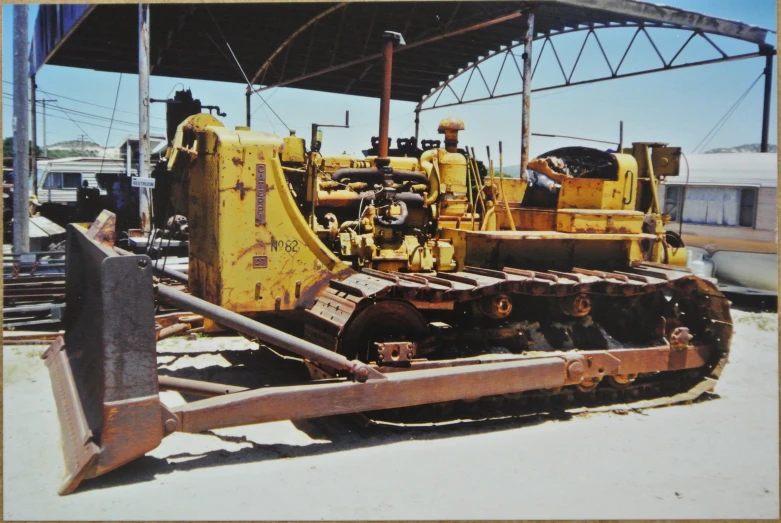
(144, 183)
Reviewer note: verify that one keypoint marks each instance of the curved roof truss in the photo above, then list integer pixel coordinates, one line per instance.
(448, 41)
(490, 81)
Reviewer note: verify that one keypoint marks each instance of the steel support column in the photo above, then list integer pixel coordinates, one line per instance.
(249, 107)
(128, 158)
(21, 232)
(145, 196)
(527, 88)
(766, 101)
(417, 123)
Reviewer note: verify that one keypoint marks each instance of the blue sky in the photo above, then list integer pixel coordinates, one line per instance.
(679, 107)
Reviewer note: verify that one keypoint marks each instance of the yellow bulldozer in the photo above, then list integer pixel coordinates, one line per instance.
(405, 278)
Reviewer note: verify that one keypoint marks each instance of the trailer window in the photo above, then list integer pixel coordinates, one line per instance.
(53, 181)
(71, 180)
(748, 205)
(62, 181)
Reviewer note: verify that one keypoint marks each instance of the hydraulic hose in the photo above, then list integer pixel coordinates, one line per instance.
(372, 174)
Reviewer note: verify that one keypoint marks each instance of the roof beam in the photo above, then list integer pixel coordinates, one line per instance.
(482, 25)
(673, 15)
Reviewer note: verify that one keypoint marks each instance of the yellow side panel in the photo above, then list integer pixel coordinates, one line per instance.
(514, 189)
(586, 193)
(576, 220)
(534, 219)
(255, 251)
(579, 193)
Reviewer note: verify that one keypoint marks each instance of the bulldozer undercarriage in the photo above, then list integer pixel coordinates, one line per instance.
(542, 346)
(661, 319)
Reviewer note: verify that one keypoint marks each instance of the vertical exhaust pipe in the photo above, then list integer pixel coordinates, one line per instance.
(390, 38)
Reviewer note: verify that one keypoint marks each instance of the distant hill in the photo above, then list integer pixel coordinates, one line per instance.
(73, 148)
(73, 144)
(747, 148)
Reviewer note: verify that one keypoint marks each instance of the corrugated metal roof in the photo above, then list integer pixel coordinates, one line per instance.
(186, 41)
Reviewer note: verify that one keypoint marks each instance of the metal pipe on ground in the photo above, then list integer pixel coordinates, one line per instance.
(266, 334)
(171, 330)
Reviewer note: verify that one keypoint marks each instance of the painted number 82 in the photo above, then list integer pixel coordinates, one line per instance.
(289, 246)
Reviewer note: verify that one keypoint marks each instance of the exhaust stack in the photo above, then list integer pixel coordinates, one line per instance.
(390, 38)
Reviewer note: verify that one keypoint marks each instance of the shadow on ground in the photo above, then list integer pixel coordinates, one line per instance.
(255, 369)
(334, 434)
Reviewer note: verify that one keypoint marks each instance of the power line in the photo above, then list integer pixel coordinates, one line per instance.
(88, 115)
(69, 119)
(723, 120)
(238, 64)
(86, 103)
(108, 135)
(77, 125)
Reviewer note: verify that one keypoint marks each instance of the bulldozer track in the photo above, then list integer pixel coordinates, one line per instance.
(705, 312)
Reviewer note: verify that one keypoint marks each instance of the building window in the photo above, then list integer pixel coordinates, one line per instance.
(730, 206)
(672, 201)
(62, 181)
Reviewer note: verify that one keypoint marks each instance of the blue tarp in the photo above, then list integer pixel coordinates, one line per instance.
(53, 24)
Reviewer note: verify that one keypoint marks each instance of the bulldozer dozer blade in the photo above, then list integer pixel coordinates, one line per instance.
(104, 370)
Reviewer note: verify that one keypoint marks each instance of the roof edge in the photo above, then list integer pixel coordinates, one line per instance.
(677, 16)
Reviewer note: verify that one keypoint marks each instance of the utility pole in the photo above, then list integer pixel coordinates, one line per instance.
(81, 137)
(527, 89)
(145, 196)
(21, 134)
(44, 102)
(34, 135)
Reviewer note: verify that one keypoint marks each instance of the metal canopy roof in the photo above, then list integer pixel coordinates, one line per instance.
(333, 47)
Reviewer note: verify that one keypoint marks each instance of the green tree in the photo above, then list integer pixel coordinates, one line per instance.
(8, 147)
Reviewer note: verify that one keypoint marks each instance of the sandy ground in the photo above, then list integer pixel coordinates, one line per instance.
(712, 459)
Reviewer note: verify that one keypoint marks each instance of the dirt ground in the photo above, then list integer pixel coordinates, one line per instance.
(713, 459)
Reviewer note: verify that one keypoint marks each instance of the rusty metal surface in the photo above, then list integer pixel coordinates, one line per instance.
(448, 381)
(103, 229)
(342, 298)
(80, 452)
(108, 353)
(397, 390)
(704, 308)
(387, 55)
